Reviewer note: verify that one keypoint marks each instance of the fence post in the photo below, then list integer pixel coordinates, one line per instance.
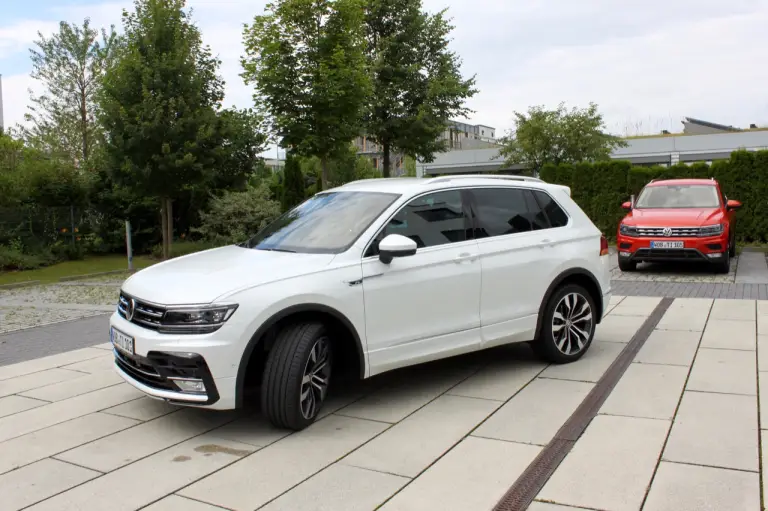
(128, 245)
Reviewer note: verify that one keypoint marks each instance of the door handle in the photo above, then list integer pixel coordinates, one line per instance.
(546, 241)
(465, 256)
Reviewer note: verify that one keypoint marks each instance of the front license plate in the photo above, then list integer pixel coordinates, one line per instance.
(667, 244)
(121, 341)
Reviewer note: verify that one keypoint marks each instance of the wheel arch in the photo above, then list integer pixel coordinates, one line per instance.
(579, 276)
(300, 310)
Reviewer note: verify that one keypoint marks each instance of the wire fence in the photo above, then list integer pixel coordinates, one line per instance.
(37, 226)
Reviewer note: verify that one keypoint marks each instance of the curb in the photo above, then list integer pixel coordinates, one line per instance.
(15, 285)
(92, 275)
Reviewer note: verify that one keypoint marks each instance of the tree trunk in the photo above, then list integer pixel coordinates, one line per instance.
(169, 224)
(386, 163)
(164, 225)
(324, 175)
(84, 127)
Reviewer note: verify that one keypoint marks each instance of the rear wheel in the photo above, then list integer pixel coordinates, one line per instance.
(568, 325)
(296, 376)
(627, 265)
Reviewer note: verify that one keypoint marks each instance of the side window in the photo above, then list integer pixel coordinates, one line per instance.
(539, 218)
(500, 211)
(430, 220)
(557, 217)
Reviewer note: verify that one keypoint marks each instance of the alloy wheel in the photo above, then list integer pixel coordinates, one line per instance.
(572, 323)
(314, 382)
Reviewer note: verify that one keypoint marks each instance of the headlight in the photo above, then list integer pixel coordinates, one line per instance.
(628, 230)
(196, 320)
(711, 230)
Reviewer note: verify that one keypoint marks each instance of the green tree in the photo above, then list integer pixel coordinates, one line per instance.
(306, 60)
(294, 188)
(417, 82)
(70, 64)
(558, 136)
(160, 103)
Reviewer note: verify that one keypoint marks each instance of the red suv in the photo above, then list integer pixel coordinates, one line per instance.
(678, 220)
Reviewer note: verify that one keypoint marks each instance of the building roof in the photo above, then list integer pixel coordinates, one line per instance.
(712, 125)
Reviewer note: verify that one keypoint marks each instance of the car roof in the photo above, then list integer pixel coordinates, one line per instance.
(667, 182)
(415, 185)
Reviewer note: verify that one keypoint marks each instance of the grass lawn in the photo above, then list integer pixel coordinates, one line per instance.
(93, 264)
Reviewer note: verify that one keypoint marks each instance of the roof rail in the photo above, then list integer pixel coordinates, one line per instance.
(446, 179)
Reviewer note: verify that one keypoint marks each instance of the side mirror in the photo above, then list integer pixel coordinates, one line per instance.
(733, 205)
(396, 245)
(627, 206)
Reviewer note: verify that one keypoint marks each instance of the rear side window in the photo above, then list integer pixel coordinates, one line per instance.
(500, 211)
(557, 217)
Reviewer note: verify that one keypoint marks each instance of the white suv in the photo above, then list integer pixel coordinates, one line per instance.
(371, 276)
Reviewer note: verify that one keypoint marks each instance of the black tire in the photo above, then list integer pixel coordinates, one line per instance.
(723, 266)
(284, 374)
(732, 248)
(550, 344)
(627, 265)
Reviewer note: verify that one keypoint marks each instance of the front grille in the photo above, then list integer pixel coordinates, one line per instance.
(142, 371)
(675, 232)
(144, 314)
(650, 254)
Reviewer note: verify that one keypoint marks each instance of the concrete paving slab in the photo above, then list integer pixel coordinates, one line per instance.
(690, 319)
(611, 465)
(752, 268)
(120, 449)
(177, 503)
(104, 346)
(339, 488)
(678, 487)
(726, 371)
(647, 390)
(762, 352)
(267, 474)
(718, 430)
(50, 441)
(94, 365)
(254, 430)
(590, 367)
(473, 475)
(763, 384)
(49, 362)
(546, 506)
(535, 414)
(735, 310)
(619, 329)
(36, 482)
(410, 446)
(76, 387)
(636, 306)
(762, 307)
(501, 380)
(142, 409)
(731, 335)
(669, 347)
(62, 411)
(179, 466)
(32, 381)
(10, 405)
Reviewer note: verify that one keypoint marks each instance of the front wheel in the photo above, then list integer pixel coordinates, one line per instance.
(732, 249)
(568, 325)
(724, 266)
(296, 375)
(627, 265)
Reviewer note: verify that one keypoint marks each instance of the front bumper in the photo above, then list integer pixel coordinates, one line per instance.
(710, 250)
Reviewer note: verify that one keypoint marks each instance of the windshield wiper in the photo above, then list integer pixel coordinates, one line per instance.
(277, 250)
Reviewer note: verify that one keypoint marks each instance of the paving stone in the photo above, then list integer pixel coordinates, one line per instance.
(32, 381)
(636, 306)
(177, 503)
(50, 362)
(700, 304)
(535, 414)
(271, 471)
(763, 383)
(47, 442)
(610, 466)
(615, 328)
(82, 385)
(546, 506)
(411, 445)
(36, 482)
(646, 390)
(179, 466)
(762, 352)
(762, 307)
(143, 409)
(94, 365)
(590, 367)
(474, 475)
(734, 310)
(726, 371)
(255, 430)
(339, 488)
(104, 346)
(691, 319)
(718, 430)
(10, 405)
(501, 380)
(62, 411)
(678, 487)
(120, 449)
(727, 334)
(669, 347)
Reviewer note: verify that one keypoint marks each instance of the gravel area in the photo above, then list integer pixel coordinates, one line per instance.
(676, 273)
(57, 293)
(20, 318)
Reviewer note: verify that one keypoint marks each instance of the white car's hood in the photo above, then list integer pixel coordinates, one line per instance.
(205, 276)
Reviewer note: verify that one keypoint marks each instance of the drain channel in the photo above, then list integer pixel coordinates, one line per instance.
(532, 480)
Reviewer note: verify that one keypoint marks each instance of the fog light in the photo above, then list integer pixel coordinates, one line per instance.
(190, 385)
(625, 254)
(715, 255)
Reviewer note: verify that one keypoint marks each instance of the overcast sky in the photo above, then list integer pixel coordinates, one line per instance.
(646, 64)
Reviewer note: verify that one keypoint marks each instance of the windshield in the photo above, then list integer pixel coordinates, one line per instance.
(328, 223)
(678, 196)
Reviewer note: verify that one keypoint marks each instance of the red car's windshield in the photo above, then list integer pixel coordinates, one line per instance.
(678, 196)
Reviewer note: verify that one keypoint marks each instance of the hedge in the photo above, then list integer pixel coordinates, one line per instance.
(601, 187)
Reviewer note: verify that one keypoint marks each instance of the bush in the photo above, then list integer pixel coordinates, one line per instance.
(12, 259)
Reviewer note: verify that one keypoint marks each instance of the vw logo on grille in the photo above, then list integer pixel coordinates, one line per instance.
(667, 231)
(130, 308)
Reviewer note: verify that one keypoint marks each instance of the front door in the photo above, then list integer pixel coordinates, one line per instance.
(426, 306)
